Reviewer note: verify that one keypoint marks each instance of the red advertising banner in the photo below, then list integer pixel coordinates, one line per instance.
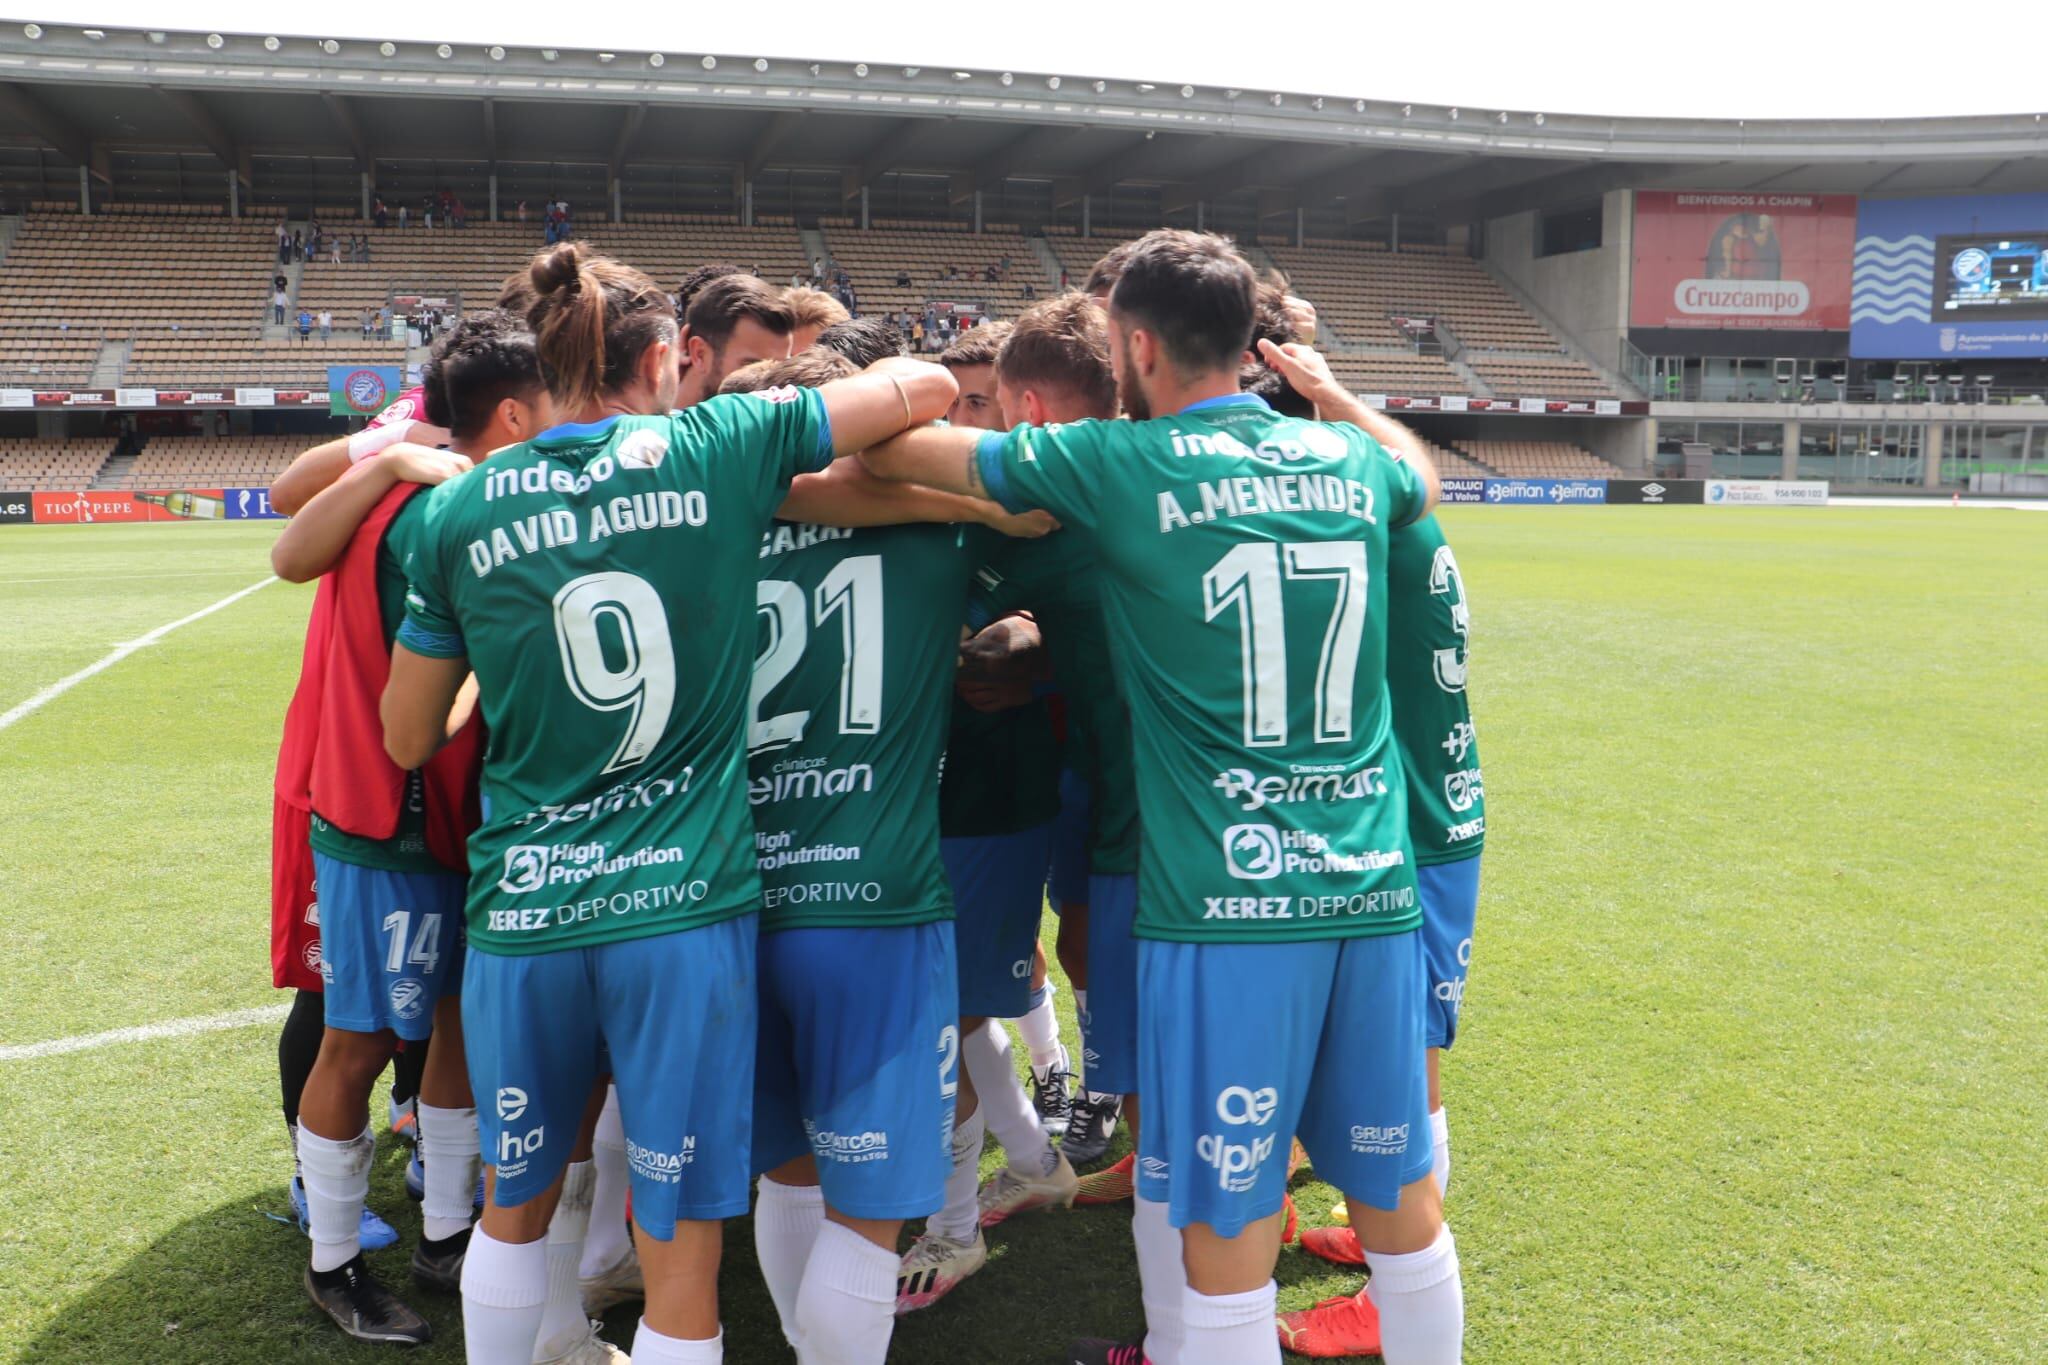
(1743, 261)
(107, 505)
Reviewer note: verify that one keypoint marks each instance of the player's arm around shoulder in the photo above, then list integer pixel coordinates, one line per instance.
(890, 396)
(317, 536)
(845, 493)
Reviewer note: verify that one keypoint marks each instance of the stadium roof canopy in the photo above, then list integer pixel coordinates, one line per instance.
(76, 96)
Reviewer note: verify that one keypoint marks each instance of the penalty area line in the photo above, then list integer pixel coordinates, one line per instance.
(144, 1033)
(120, 652)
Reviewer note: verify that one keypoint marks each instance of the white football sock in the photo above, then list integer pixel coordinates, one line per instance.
(562, 1322)
(337, 1176)
(1422, 1304)
(504, 1296)
(609, 1238)
(846, 1309)
(448, 1162)
(400, 1108)
(1231, 1329)
(1440, 1139)
(786, 1223)
(1005, 1108)
(961, 1215)
(1081, 1021)
(1162, 1280)
(1040, 1029)
(652, 1348)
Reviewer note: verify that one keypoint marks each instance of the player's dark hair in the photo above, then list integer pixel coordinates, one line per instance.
(1194, 293)
(1103, 275)
(718, 308)
(593, 318)
(978, 345)
(812, 368)
(1062, 345)
(694, 282)
(485, 359)
(862, 340)
(515, 295)
(1271, 323)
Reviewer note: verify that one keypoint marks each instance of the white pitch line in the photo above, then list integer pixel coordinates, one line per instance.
(63, 685)
(123, 577)
(170, 1028)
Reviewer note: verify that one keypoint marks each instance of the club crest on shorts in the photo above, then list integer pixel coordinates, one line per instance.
(408, 997)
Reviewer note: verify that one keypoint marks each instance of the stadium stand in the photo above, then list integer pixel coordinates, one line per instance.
(211, 461)
(29, 463)
(1544, 376)
(1538, 459)
(1401, 372)
(1452, 465)
(873, 261)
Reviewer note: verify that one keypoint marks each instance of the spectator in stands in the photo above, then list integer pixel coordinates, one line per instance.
(378, 213)
(384, 319)
(337, 249)
(812, 311)
(326, 325)
(1066, 282)
(305, 325)
(284, 244)
(988, 274)
(427, 213)
(367, 323)
(1029, 292)
(917, 335)
(278, 300)
(521, 210)
(298, 246)
(401, 217)
(902, 278)
(459, 215)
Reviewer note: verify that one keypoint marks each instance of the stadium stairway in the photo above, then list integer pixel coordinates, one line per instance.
(108, 364)
(1050, 261)
(1474, 385)
(9, 226)
(273, 330)
(815, 248)
(114, 473)
(1607, 373)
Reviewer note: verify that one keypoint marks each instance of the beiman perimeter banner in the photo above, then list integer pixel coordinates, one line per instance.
(1735, 261)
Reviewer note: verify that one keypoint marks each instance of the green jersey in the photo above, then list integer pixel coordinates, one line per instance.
(1428, 621)
(1056, 579)
(1244, 561)
(858, 635)
(406, 850)
(599, 581)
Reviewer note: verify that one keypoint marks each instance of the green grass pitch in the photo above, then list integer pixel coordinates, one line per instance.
(1752, 1065)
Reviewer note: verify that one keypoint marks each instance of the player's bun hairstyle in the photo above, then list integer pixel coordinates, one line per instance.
(810, 307)
(1062, 346)
(1271, 323)
(593, 319)
(862, 340)
(978, 345)
(483, 360)
(1194, 293)
(811, 368)
(717, 309)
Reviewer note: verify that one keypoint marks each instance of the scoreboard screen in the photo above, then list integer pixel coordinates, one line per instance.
(1987, 279)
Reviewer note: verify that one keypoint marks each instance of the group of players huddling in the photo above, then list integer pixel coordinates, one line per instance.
(693, 724)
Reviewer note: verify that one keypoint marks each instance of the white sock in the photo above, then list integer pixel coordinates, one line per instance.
(504, 1293)
(1162, 1280)
(846, 1309)
(562, 1323)
(337, 1176)
(1040, 1029)
(1422, 1304)
(786, 1223)
(1231, 1329)
(448, 1163)
(652, 1348)
(1005, 1108)
(962, 1212)
(1081, 1020)
(608, 1240)
(1440, 1139)
(400, 1108)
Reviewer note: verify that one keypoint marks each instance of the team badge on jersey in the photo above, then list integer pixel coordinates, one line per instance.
(642, 450)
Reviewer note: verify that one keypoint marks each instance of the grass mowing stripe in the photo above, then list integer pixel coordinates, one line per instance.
(143, 1033)
(120, 652)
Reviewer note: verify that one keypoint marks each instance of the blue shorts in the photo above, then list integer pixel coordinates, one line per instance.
(677, 1015)
(1067, 882)
(1450, 907)
(390, 945)
(1247, 1045)
(1109, 1026)
(858, 1063)
(998, 893)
